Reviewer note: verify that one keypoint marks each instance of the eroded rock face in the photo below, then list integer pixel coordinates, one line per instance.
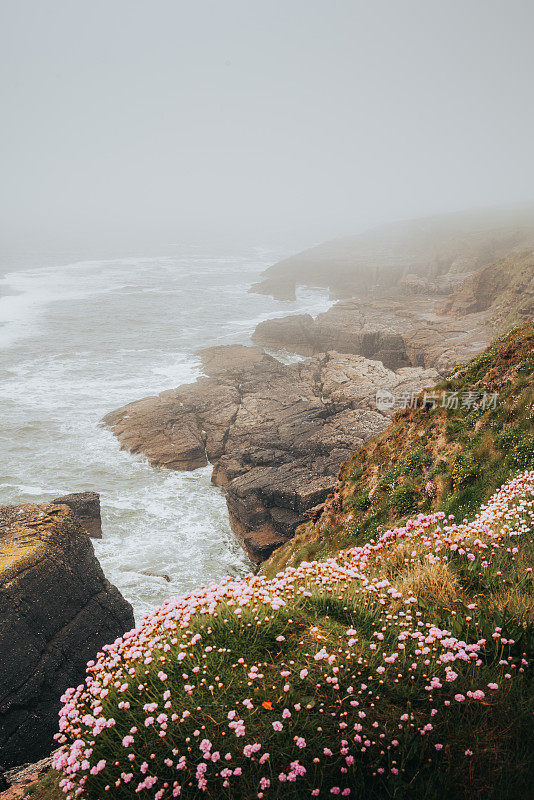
(86, 506)
(276, 434)
(344, 328)
(400, 333)
(57, 611)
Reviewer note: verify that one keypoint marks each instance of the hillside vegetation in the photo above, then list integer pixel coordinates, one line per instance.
(433, 457)
(395, 670)
(376, 663)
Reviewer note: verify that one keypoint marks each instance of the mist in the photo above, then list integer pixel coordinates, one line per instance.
(288, 119)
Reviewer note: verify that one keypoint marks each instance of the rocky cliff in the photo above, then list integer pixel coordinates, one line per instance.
(503, 291)
(418, 330)
(400, 333)
(57, 610)
(448, 455)
(276, 434)
(86, 506)
(422, 256)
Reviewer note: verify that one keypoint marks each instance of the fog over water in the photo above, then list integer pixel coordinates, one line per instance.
(292, 118)
(156, 156)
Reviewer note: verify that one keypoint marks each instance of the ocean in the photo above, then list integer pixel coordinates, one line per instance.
(80, 339)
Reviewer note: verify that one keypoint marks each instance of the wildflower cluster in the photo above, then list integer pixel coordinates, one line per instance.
(333, 678)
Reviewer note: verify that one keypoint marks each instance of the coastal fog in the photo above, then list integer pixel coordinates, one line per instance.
(283, 121)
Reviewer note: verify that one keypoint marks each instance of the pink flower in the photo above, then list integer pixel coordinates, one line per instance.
(277, 726)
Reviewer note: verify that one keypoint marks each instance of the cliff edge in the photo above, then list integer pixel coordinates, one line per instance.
(57, 611)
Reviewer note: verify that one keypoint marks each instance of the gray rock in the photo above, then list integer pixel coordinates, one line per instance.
(400, 333)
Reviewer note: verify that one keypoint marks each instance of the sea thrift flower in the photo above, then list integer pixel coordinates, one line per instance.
(345, 693)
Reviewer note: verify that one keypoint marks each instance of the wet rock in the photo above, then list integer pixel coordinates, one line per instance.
(57, 611)
(86, 506)
(156, 436)
(162, 575)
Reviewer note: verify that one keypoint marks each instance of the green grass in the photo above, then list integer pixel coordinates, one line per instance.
(318, 651)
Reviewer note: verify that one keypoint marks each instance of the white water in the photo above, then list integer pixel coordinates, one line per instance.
(81, 339)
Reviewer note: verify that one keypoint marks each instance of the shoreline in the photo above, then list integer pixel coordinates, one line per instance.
(277, 433)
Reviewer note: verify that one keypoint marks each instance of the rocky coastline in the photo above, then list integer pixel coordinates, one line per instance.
(399, 332)
(429, 256)
(277, 433)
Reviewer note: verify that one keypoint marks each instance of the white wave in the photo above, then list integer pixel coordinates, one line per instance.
(81, 339)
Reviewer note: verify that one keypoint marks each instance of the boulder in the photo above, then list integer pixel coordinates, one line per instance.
(57, 611)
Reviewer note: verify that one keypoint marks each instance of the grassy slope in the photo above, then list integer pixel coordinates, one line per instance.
(404, 660)
(430, 459)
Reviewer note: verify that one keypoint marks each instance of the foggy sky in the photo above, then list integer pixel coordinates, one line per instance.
(261, 118)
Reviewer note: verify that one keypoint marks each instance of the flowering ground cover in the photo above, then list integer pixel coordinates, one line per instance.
(398, 668)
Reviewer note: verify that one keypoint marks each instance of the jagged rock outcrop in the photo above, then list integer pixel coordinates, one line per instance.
(276, 434)
(400, 333)
(86, 506)
(394, 476)
(19, 781)
(57, 611)
(504, 290)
